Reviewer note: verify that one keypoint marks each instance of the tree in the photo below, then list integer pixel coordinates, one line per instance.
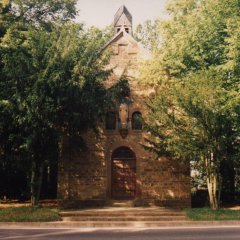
(51, 79)
(147, 34)
(42, 13)
(195, 120)
(195, 71)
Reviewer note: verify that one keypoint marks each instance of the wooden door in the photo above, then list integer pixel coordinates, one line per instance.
(123, 174)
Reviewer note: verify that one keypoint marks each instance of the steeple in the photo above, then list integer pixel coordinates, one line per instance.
(123, 20)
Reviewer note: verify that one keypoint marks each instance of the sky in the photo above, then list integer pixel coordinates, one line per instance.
(100, 13)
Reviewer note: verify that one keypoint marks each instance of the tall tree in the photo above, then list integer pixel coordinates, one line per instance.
(196, 120)
(195, 71)
(51, 81)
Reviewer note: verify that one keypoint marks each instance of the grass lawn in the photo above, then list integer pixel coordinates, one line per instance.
(28, 214)
(207, 214)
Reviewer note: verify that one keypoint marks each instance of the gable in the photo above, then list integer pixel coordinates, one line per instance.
(121, 38)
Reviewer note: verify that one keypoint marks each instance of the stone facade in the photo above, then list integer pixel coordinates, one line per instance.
(91, 177)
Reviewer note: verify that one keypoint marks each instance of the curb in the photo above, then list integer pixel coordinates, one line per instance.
(9, 225)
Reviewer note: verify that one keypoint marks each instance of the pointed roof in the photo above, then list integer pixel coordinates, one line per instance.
(114, 38)
(122, 10)
(144, 52)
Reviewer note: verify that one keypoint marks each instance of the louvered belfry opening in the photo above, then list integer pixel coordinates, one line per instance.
(123, 174)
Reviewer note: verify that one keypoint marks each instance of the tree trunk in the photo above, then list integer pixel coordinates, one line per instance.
(213, 183)
(40, 179)
(212, 191)
(36, 182)
(33, 183)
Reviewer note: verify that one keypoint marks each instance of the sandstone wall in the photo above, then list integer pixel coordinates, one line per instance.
(85, 176)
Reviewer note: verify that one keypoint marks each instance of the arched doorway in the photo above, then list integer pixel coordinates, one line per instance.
(123, 174)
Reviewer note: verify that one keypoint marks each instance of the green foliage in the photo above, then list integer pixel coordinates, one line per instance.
(120, 90)
(195, 115)
(51, 83)
(206, 214)
(197, 35)
(4, 10)
(28, 214)
(148, 34)
(43, 12)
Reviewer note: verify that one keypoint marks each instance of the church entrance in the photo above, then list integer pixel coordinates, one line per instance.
(123, 174)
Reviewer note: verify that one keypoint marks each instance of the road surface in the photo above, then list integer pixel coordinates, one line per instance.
(176, 233)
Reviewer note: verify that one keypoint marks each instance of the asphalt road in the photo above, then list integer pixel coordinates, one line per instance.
(194, 233)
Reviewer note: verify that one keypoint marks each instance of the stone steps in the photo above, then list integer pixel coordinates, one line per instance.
(125, 224)
(128, 203)
(124, 217)
(129, 214)
(127, 218)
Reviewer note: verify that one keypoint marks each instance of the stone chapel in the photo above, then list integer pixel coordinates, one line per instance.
(115, 166)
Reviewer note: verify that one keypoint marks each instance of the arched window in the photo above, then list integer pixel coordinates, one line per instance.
(137, 121)
(110, 121)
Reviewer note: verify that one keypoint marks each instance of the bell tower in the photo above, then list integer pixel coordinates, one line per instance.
(123, 20)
